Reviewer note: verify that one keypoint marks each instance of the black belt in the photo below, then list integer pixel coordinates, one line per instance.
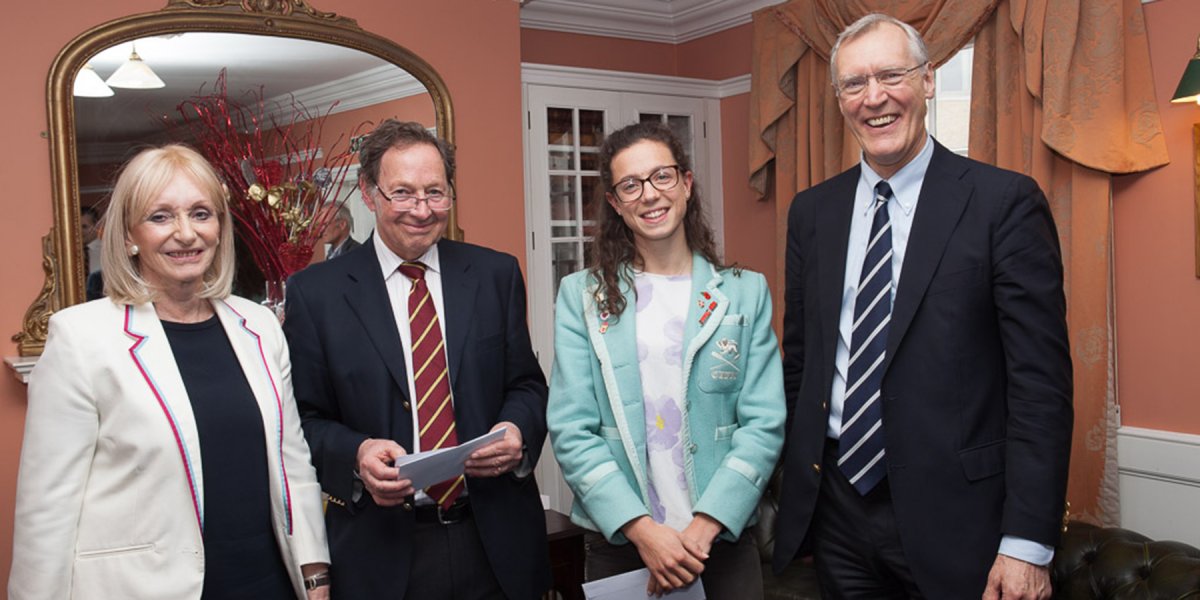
(433, 513)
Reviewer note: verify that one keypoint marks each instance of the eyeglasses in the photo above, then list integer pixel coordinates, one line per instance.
(436, 200)
(630, 189)
(888, 78)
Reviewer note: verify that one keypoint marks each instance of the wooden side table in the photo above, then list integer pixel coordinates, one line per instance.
(564, 542)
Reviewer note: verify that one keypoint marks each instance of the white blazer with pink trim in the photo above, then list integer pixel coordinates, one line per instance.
(110, 489)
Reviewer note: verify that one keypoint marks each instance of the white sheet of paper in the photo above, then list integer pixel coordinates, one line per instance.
(428, 468)
(633, 585)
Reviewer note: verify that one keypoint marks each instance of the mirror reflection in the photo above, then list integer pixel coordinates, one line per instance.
(350, 86)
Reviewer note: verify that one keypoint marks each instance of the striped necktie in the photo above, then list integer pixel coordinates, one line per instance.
(861, 447)
(431, 379)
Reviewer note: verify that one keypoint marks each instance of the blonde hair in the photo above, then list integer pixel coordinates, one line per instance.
(141, 181)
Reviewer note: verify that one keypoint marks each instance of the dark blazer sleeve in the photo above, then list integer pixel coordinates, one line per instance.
(798, 236)
(525, 389)
(334, 445)
(1028, 294)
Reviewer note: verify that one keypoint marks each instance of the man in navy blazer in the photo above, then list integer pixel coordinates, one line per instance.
(348, 330)
(962, 422)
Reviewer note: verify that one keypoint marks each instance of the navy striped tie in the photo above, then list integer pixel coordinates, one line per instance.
(861, 448)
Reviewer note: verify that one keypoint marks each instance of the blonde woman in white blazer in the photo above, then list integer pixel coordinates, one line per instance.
(163, 455)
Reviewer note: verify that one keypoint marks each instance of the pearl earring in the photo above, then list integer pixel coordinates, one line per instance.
(133, 250)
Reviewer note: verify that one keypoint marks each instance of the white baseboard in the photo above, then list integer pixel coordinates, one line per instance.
(1159, 475)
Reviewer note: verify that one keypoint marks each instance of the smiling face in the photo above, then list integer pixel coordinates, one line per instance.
(889, 123)
(176, 234)
(411, 170)
(658, 215)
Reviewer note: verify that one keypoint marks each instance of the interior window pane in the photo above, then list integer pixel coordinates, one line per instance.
(559, 127)
(650, 117)
(590, 188)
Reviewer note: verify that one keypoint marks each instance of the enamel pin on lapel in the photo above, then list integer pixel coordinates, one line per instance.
(711, 307)
(604, 321)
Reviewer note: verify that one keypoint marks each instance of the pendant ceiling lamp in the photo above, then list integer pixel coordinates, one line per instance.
(135, 74)
(89, 85)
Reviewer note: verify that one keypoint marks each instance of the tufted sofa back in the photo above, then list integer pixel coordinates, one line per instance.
(1107, 563)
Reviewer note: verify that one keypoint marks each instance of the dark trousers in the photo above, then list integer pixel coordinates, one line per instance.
(733, 570)
(856, 545)
(449, 563)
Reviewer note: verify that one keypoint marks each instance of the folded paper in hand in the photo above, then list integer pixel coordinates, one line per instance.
(633, 585)
(427, 468)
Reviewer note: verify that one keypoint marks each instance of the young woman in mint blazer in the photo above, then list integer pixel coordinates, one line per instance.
(666, 403)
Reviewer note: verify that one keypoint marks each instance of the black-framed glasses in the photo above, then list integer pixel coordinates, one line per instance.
(851, 87)
(631, 189)
(435, 200)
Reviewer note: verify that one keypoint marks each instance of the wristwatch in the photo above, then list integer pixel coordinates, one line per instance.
(316, 581)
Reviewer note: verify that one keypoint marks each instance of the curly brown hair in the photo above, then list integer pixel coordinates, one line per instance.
(613, 248)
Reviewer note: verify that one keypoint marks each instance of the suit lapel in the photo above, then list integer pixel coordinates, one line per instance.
(943, 198)
(834, 212)
(367, 297)
(458, 298)
(155, 362)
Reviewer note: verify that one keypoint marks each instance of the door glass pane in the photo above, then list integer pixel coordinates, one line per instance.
(566, 261)
(562, 205)
(559, 126)
(681, 126)
(591, 127)
(562, 160)
(650, 117)
(589, 160)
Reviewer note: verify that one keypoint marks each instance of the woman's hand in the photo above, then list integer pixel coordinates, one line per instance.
(673, 559)
(703, 530)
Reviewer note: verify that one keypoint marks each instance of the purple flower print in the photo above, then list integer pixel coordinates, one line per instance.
(663, 420)
(657, 510)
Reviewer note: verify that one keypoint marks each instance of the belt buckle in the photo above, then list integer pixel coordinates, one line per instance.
(443, 517)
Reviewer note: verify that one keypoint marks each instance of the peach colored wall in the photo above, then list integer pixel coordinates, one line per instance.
(596, 52)
(749, 224)
(721, 55)
(1157, 292)
(473, 44)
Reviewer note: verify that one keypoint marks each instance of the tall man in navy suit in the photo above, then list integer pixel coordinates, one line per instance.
(353, 347)
(926, 361)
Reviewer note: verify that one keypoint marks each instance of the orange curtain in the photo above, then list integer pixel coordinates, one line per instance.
(1061, 91)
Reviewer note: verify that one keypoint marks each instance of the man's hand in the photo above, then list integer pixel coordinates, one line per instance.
(498, 457)
(674, 560)
(379, 477)
(1013, 579)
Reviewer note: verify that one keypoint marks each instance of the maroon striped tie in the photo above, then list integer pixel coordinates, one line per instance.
(431, 379)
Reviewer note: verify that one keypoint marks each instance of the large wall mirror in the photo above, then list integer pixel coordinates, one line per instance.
(283, 50)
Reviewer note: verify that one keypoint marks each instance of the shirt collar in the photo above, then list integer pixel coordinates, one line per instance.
(390, 261)
(905, 183)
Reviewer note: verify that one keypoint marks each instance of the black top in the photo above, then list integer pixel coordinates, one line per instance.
(241, 556)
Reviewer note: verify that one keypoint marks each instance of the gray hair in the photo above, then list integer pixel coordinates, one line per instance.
(343, 214)
(868, 23)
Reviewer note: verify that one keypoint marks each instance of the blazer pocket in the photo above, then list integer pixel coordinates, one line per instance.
(958, 278)
(983, 461)
(112, 552)
(721, 363)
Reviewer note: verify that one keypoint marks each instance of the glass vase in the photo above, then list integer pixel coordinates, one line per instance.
(276, 289)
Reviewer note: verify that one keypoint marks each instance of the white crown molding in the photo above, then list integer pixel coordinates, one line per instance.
(599, 79)
(368, 88)
(672, 22)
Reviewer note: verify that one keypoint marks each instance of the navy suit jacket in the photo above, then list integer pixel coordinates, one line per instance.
(977, 379)
(349, 376)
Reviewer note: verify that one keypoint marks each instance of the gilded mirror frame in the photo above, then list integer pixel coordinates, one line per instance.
(62, 247)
